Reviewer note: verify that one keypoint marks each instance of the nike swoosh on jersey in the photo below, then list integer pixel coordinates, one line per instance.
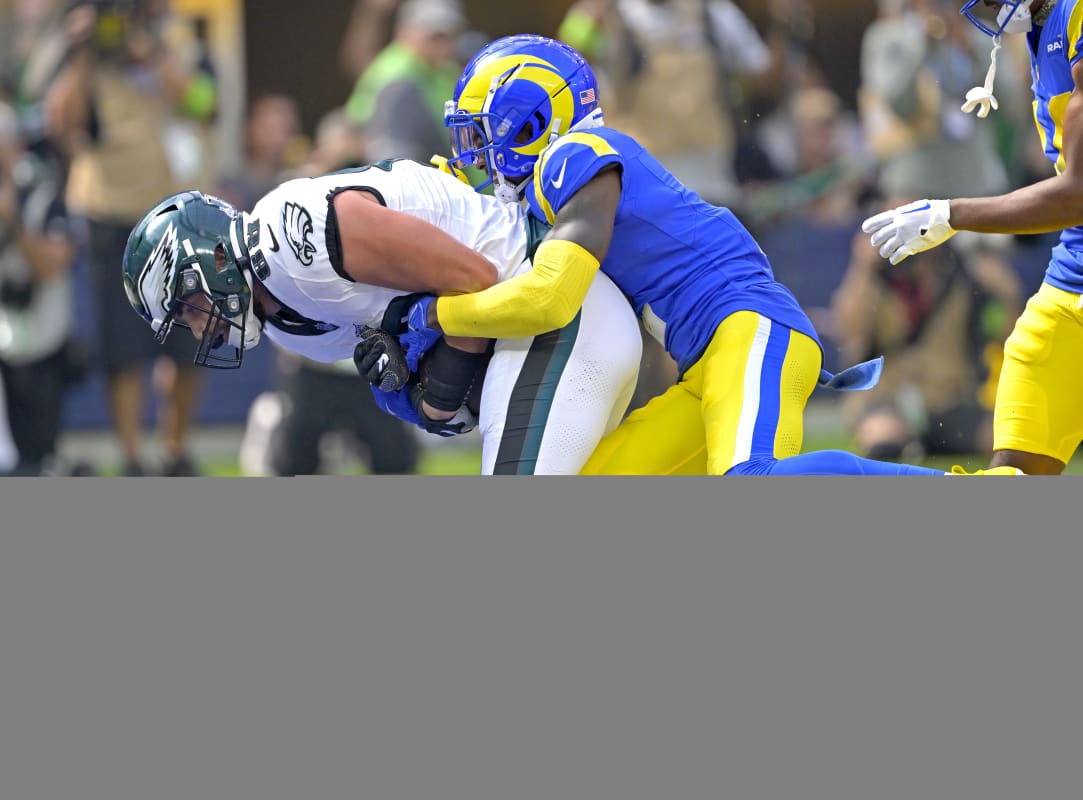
(558, 181)
(274, 239)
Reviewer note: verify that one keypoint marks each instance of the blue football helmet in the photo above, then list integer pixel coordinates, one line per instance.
(516, 96)
(1013, 16)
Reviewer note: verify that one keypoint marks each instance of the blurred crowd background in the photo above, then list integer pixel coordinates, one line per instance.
(804, 116)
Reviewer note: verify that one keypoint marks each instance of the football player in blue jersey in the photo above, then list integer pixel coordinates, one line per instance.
(1038, 417)
(526, 111)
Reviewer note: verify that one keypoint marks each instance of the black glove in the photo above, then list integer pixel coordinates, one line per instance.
(380, 360)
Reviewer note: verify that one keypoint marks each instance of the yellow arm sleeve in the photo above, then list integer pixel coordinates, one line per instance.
(544, 299)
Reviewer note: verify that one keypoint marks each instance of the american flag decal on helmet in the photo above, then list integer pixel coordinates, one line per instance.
(586, 96)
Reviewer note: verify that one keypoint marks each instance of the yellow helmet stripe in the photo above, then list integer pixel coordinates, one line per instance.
(475, 97)
(475, 93)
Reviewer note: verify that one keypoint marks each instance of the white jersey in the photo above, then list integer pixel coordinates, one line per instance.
(546, 400)
(303, 259)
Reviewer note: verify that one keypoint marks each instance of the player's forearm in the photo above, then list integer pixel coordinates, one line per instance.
(543, 299)
(1050, 205)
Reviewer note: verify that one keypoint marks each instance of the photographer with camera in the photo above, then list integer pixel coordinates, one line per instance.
(37, 251)
(133, 107)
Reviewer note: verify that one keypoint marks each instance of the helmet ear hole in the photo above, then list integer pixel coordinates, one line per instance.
(531, 129)
(526, 133)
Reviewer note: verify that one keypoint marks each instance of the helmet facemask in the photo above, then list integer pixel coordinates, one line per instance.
(1012, 16)
(492, 142)
(223, 317)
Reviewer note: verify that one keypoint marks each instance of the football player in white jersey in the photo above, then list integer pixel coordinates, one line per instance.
(322, 264)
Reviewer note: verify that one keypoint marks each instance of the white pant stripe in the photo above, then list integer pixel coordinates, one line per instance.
(750, 404)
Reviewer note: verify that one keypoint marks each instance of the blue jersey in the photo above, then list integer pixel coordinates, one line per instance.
(685, 265)
(1054, 48)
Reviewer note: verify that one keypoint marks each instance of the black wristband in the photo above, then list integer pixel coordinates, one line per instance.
(448, 375)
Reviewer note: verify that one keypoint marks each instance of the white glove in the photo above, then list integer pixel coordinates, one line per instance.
(909, 229)
(982, 99)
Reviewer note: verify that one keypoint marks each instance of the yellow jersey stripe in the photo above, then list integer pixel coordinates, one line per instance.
(1075, 30)
(596, 143)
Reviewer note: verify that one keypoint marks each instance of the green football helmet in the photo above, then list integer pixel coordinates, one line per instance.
(192, 245)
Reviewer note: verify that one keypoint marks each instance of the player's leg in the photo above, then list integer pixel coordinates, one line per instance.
(9, 454)
(548, 400)
(663, 437)
(178, 385)
(125, 346)
(757, 378)
(295, 448)
(1038, 419)
(35, 394)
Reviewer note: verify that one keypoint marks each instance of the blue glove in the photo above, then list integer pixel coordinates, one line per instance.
(399, 403)
(405, 404)
(419, 337)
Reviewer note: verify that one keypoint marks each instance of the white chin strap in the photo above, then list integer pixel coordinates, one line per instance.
(980, 98)
(505, 191)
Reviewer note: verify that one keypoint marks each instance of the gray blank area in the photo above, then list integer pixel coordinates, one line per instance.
(415, 638)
